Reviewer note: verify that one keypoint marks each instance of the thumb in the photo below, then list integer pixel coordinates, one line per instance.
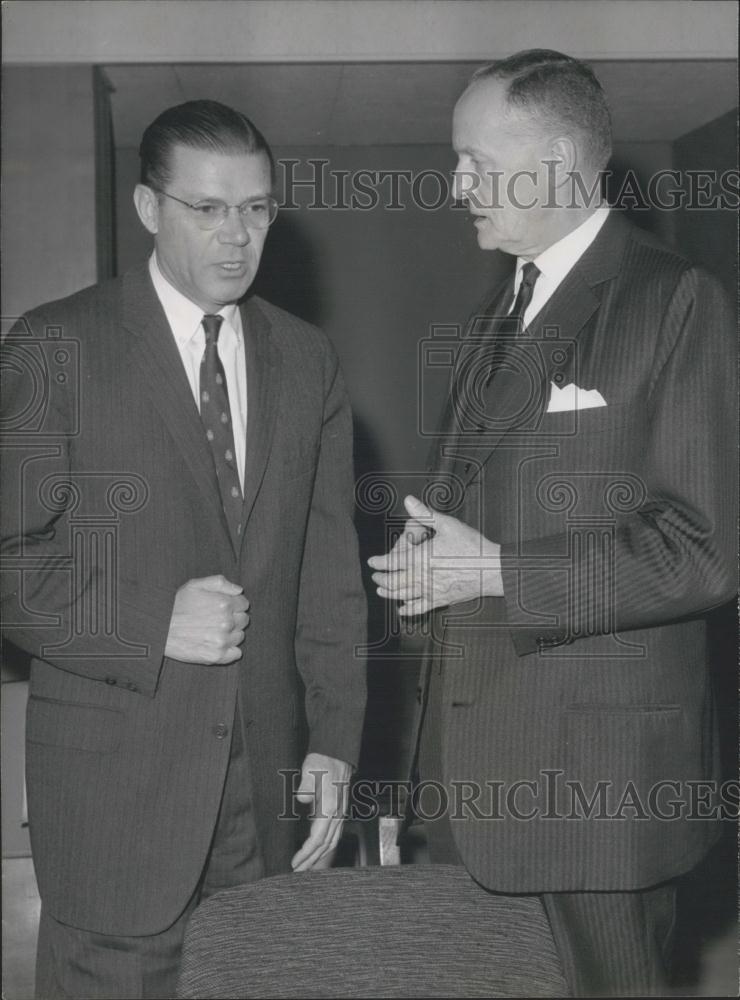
(306, 791)
(418, 510)
(220, 585)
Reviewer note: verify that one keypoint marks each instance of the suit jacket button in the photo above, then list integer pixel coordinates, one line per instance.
(220, 731)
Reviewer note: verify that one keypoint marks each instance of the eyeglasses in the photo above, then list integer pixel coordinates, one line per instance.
(255, 213)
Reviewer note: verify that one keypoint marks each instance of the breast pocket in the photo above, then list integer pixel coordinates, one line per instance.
(593, 420)
(73, 726)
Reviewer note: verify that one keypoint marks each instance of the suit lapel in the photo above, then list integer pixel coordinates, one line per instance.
(264, 365)
(443, 451)
(517, 405)
(154, 352)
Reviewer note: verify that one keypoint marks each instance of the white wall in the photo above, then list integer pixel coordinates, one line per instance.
(338, 30)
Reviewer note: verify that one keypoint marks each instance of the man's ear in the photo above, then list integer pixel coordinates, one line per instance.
(565, 159)
(147, 207)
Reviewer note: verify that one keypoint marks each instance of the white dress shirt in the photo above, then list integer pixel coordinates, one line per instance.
(185, 319)
(557, 261)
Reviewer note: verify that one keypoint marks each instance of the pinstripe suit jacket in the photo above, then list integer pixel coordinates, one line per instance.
(616, 525)
(110, 505)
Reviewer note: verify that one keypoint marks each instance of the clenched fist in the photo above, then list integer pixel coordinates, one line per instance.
(208, 621)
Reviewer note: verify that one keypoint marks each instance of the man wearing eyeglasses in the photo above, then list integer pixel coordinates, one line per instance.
(213, 432)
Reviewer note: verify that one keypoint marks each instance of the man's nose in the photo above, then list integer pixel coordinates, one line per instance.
(234, 229)
(464, 181)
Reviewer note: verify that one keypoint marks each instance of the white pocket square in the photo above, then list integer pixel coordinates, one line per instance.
(570, 397)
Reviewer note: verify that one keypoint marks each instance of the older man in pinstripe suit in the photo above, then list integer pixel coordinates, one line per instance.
(195, 473)
(586, 455)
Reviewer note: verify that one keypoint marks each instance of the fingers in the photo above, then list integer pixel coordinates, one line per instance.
(397, 557)
(408, 580)
(410, 609)
(393, 559)
(232, 629)
(222, 650)
(402, 592)
(189, 648)
(232, 654)
(322, 840)
(324, 783)
(238, 604)
(219, 584)
(400, 585)
(414, 533)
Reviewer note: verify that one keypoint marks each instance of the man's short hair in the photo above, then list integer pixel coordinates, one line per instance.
(206, 125)
(560, 90)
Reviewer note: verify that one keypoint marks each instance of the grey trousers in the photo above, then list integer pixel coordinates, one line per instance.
(76, 964)
(611, 944)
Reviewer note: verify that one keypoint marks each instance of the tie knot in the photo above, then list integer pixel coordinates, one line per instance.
(530, 274)
(212, 325)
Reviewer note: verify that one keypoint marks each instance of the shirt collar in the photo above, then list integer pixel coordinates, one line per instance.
(183, 315)
(555, 262)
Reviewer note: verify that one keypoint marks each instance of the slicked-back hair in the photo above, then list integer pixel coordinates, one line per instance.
(206, 125)
(562, 91)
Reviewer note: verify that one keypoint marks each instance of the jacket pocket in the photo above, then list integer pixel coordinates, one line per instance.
(591, 420)
(625, 748)
(73, 726)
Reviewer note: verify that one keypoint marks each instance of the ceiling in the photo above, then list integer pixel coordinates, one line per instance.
(358, 104)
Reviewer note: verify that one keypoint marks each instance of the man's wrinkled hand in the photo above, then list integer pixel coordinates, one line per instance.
(325, 787)
(208, 622)
(436, 562)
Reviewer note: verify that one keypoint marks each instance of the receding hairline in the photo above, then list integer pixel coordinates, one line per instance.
(525, 118)
(521, 111)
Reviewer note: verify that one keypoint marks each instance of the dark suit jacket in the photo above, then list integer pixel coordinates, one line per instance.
(616, 525)
(110, 505)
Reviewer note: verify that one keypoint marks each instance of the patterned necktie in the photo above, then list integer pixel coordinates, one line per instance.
(216, 416)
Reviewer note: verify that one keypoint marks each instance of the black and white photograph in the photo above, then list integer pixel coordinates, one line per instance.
(369, 519)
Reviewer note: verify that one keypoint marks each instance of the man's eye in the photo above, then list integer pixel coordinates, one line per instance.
(256, 208)
(207, 210)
